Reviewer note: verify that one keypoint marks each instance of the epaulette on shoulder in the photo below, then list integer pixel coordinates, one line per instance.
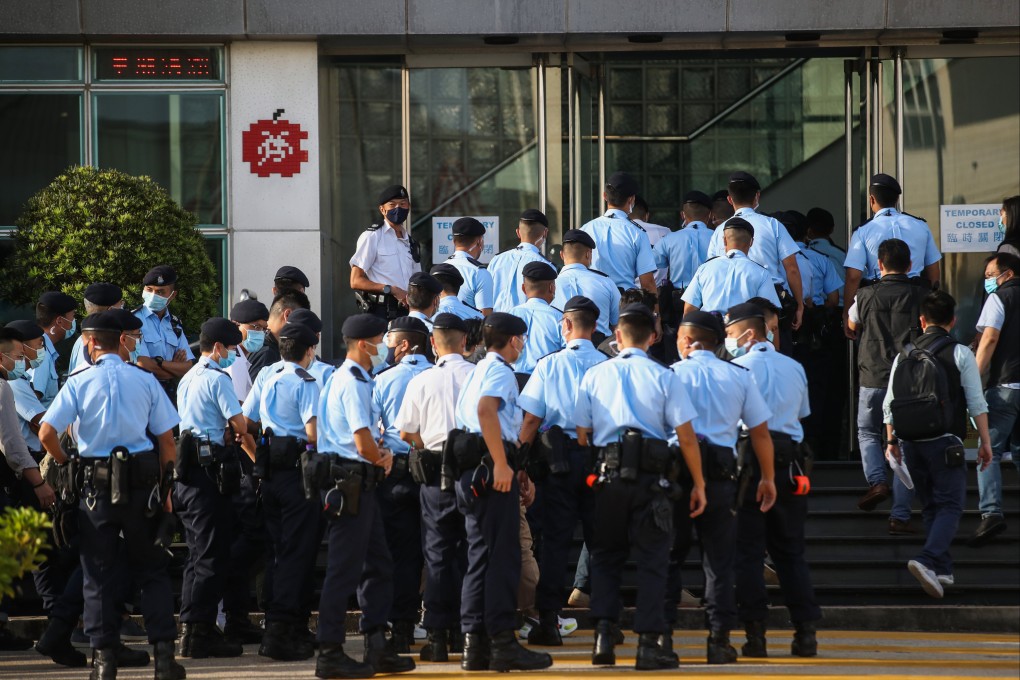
(381, 371)
(137, 309)
(557, 309)
(637, 225)
(864, 223)
(476, 263)
(555, 351)
(716, 257)
(596, 271)
(357, 375)
(216, 369)
(82, 369)
(140, 368)
(915, 217)
(304, 375)
(470, 307)
(374, 227)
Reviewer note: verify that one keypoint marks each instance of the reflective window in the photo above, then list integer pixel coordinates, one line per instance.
(22, 64)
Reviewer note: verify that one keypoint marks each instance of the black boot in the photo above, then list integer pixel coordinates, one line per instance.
(207, 641)
(603, 654)
(476, 652)
(166, 667)
(380, 654)
(719, 650)
(56, 644)
(104, 665)
(755, 647)
(547, 632)
(650, 657)
(241, 630)
(456, 641)
(402, 636)
(282, 644)
(509, 655)
(804, 641)
(130, 658)
(436, 647)
(184, 650)
(334, 663)
(665, 642)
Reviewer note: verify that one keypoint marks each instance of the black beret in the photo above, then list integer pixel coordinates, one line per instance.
(447, 271)
(578, 236)
(739, 223)
(887, 181)
(468, 226)
(104, 294)
(580, 303)
(506, 323)
(222, 331)
(292, 273)
(533, 215)
(306, 317)
(450, 322)
(300, 332)
(394, 192)
(536, 270)
(409, 324)
(820, 217)
(636, 309)
(103, 321)
(427, 282)
(741, 177)
(720, 195)
(8, 333)
(623, 183)
(26, 329)
(128, 321)
(363, 326)
(699, 197)
(160, 275)
(745, 310)
(790, 218)
(704, 320)
(249, 311)
(57, 302)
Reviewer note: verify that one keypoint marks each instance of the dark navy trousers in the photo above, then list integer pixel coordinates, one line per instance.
(293, 524)
(207, 516)
(445, 548)
(400, 507)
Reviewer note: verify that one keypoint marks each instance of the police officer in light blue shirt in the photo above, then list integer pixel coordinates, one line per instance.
(449, 301)
(55, 315)
(507, 268)
(162, 332)
(26, 400)
(578, 278)
(622, 248)
(548, 404)
(733, 278)
(423, 292)
(542, 318)
(99, 297)
(683, 251)
(820, 225)
(469, 241)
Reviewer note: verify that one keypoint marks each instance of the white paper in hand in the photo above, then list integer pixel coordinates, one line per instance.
(900, 470)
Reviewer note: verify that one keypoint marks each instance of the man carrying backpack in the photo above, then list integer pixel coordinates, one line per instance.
(934, 382)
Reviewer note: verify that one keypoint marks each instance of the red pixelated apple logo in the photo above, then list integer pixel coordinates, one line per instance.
(273, 147)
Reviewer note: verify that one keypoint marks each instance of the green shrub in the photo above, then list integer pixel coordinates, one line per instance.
(23, 534)
(103, 225)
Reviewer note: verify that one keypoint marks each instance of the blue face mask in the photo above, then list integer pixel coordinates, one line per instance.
(254, 341)
(40, 357)
(227, 361)
(992, 284)
(1002, 225)
(397, 215)
(770, 336)
(74, 327)
(734, 349)
(133, 356)
(19, 369)
(155, 303)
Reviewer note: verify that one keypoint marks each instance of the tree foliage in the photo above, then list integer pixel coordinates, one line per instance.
(22, 539)
(94, 225)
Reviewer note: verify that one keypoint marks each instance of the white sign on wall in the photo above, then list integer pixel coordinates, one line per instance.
(970, 228)
(442, 237)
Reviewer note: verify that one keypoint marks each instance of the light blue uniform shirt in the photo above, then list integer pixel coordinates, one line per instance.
(451, 304)
(45, 379)
(390, 386)
(576, 279)
(159, 336)
(622, 249)
(492, 377)
(731, 280)
(682, 252)
(551, 392)
(477, 288)
(414, 314)
(319, 370)
(507, 271)
(206, 400)
(631, 391)
(824, 277)
(772, 243)
(810, 278)
(886, 224)
(346, 406)
(544, 336)
(28, 406)
(836, 256)
(115, 403)
(287, 402)
(783, 385)
(724, 394)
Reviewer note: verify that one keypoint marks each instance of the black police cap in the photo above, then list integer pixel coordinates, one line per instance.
(580, 303)
(128, 321)
(887, 181)
(703, 320)
(363, 326)
(8, 333)
(300, 333)
(506, 323)
(394, 192)
(741, 177)
(57, 302)
(103, 321)
(623, 183)
(306, 317)
(699, 197)
(249, 311)
(104, 294)
(536, 270)
(292, 273)
(533, 215)
(449, 322)
(160, 275)
(639, 311)
(742, 312)
(739, 223)
(578, 236)
(222, 331)
(448, 272)
(468, 226)
(820, 217)
(426, 282)
(720, 195)
(408, 324)
(26, 329)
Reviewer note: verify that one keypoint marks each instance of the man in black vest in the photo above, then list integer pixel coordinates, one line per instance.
(997, 356)
(936, 465)
(884, 317)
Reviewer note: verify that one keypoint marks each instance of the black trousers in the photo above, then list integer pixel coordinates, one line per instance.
(247, 549)
(400, 507)
(293, 524)
(444, 545)
(624, 519)
(207, 516)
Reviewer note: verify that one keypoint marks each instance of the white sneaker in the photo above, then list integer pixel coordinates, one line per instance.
(567, 626)
(523, 631)
(420, 633)
(927, 578)
(946, 579)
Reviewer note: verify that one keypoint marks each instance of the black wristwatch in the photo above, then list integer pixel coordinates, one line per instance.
(387, 289)
(159, 361)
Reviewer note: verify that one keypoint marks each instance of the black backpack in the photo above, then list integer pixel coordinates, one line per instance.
(922, 404)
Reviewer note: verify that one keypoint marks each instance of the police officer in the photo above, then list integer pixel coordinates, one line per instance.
(469, 241)
(780, 531)
(289, 277)
(252, 318)
(286, 410)
(543, 320)
(722, 209)
(398, 493)
(488, 496)
(507, 268)
(320, 369)
(888, 222)
(385, 258)
(450, 301)
(639, 215)
(820, 225)
(162, 332)
(357, 558)
(822, 279)
(578, 278)
(733, 278)
(54, 313)
(30, 409)
(426, 417)
(633, 459)
(99, 297)
(423, 297)
(280, 309)
(548, 404)
(622, 248)
(117, 406)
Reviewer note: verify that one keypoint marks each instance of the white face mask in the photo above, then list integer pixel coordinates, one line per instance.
(379, 358)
